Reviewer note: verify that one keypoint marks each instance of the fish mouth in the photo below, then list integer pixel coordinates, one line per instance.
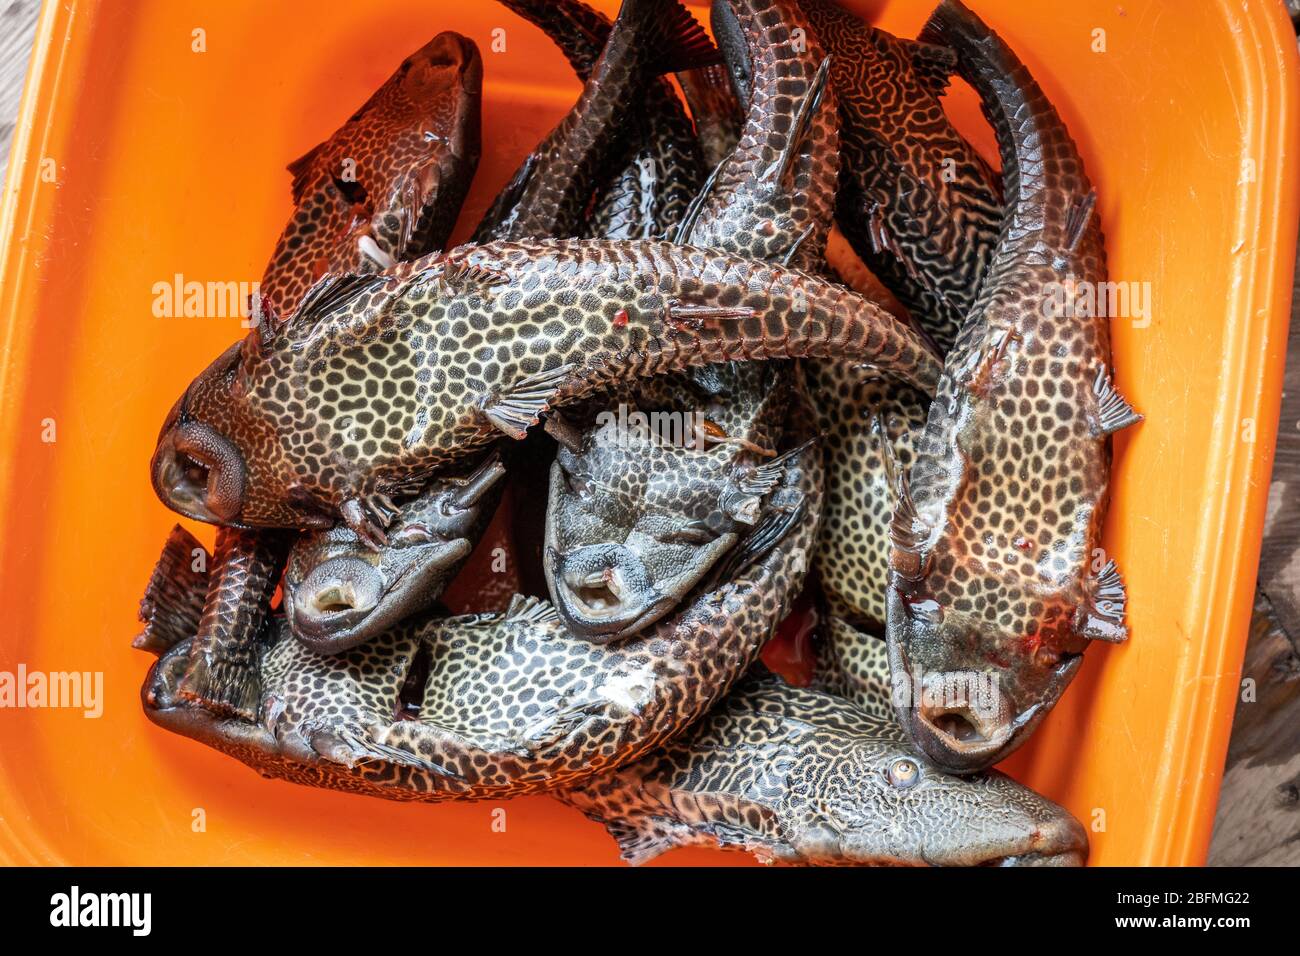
(346, 601)
(1060, 841)
(957, 733)
(207, 487)
(603, 592)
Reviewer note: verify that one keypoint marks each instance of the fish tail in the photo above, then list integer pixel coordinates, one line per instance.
(675, 39)
(1014, 104)
(222, 675)
(173, 600)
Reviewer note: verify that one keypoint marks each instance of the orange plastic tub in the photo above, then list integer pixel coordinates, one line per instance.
(138, 158)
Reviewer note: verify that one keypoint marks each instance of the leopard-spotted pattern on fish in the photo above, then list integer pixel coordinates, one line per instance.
(379, 381)
(512, 704)
(917, 202)
(995, 566)
(796, 775)
(389, 183)
(656, 177)
(854, 665)
(553, 188)
(852, 557)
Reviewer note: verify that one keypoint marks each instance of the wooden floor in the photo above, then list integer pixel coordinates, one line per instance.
(1259, 808)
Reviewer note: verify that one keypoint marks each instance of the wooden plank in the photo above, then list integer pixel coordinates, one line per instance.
(17, 27)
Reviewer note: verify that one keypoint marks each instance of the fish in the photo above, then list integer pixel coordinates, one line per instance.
(634, 521)
(220, 674)
(338, 593)
(798, 776)
(996, 565)
(494, 705)
(388, 184)
(385, 186)
(853, 664)
(868, 426)
(379, 381)
(552, 190)
(917, 202)
(647, 503)
(716, 111)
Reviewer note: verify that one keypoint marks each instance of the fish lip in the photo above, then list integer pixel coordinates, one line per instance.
(168, 484)
(962, 757)
(644, 606)
(394, 598)
(601, 629)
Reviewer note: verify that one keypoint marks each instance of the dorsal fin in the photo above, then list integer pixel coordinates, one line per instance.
(172, 605)
(301, 168)
(526, 609)
(933, 64)
(331, 292)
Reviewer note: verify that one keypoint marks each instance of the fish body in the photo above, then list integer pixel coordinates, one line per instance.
(388, 184)
(917, 202)
(996, 570)
(635, 521)
(795, 775)
(868, 425)
(551, 191)
(339, 593)
(379, 381)
(489, 706)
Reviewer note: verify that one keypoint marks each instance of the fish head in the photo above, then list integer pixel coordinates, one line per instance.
(388, 185)
(339, 592)
(977, 662)
(632, 526)
(217, 460)
(936, 818)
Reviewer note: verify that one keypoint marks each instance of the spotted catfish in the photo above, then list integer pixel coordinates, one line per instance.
(379, 381)
(338, 593)
(917, 202)
(993, 565)
(795, 775)
(499, 704)
(634, 522)
(550, 193)
(389, 183)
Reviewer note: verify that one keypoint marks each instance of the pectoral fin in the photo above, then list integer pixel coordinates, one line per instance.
(1113, 412)
(173, 600)
(517, 408)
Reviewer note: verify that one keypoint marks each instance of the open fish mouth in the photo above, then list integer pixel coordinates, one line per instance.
(347, 600)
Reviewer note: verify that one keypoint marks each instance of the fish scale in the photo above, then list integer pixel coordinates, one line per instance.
(545, 710)
(994, 564)
(796, 775)
(776, 191)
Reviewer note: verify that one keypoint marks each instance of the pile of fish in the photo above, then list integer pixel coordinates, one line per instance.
(792, 339)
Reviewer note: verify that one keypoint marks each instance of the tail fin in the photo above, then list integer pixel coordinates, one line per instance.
(173, 600)
(681, 43)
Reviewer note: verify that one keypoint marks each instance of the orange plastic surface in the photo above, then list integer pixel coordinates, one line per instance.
(170, 161)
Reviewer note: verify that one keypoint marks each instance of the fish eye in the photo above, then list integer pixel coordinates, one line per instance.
(903, 773)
